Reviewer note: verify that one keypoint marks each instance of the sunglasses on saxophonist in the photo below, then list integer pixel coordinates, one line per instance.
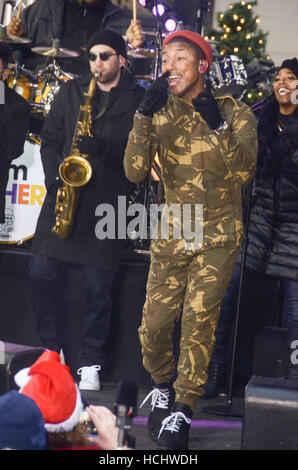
(104, 56)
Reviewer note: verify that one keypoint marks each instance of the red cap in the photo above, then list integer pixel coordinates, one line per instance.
(196, 38)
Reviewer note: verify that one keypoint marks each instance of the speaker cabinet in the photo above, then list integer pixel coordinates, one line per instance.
(270, 414)
(14, 357)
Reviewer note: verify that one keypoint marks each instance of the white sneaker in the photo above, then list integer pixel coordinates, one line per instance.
(89, 378)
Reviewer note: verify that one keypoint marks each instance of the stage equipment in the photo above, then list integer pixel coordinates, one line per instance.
(25, 194)
(146, 192)
(21, 80)
(194, 12)
(125, 409)
(141, 61)
(55, 51)
(166, 16)
(228, 409)
(46, 86)
(270, 414)
(14, 357)
(227, 74)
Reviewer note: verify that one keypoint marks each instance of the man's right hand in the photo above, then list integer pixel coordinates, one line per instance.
(155, 96)
(15, 27)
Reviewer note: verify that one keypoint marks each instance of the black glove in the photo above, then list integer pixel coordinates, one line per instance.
(155, 96)
(91, 145)
(206, 105)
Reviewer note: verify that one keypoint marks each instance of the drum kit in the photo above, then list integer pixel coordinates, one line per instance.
(40, 89)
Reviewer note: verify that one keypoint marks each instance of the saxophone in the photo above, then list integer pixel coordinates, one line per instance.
(75, 171)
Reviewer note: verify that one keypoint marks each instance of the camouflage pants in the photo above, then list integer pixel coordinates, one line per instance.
(194, 284)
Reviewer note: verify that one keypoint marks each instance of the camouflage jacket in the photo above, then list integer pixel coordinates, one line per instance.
(198, 166)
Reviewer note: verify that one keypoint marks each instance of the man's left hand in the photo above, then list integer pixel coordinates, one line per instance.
(207, 106)
(135, 35)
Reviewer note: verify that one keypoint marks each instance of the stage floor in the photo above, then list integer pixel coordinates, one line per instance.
(208, 432)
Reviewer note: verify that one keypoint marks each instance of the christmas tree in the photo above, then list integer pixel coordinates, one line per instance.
(239, 34)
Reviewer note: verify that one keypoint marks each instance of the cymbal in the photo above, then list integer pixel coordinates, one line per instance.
(16, 39)
(53, 52)
(152, 33)
(140, 53)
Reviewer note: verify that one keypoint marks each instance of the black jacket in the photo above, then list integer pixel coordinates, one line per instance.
(108, 180)
(273, 227)
(14, 123)
(72, 24)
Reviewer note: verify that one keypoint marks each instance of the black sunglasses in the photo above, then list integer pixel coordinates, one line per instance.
(104, 56)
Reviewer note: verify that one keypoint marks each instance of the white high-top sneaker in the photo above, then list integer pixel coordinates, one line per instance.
(89, 377)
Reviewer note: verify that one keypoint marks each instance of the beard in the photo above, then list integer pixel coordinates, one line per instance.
(108, 77)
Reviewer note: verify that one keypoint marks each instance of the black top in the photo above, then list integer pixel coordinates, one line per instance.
(108, 178)
(273, 228)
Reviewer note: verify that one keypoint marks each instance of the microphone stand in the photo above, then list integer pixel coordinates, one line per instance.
(228, 409)
(123, 423)
(202, 9)
(157, 59)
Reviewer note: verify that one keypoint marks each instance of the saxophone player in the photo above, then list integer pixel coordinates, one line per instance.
(115, 99)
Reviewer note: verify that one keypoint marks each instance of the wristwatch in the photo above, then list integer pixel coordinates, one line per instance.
(222, 128)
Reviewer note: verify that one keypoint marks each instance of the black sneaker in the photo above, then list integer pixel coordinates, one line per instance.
(174, 431)
(162, 398)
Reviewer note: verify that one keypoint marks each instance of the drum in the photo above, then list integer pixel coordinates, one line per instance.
(142, 63)
(228, 74)
(48, 84)
(21, 80)
(25, 194)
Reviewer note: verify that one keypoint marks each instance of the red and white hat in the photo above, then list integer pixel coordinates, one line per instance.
(49, 383)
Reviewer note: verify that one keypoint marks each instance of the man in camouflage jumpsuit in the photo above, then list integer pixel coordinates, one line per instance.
(207, 149)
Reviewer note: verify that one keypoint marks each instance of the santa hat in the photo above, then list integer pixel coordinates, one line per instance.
(49, 383)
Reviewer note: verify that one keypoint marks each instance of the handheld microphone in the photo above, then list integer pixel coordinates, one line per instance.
(125, 410)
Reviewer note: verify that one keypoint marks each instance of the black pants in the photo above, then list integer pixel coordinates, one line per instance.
(47, 276)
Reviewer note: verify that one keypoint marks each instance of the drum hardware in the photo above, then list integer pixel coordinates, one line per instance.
(15, 39)
(55, 51)
(21, 80)
(141, 53)
(34, 138)
(228, 75)
(141, 61)
(48, 83)
(147, 191)
(152, 34)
